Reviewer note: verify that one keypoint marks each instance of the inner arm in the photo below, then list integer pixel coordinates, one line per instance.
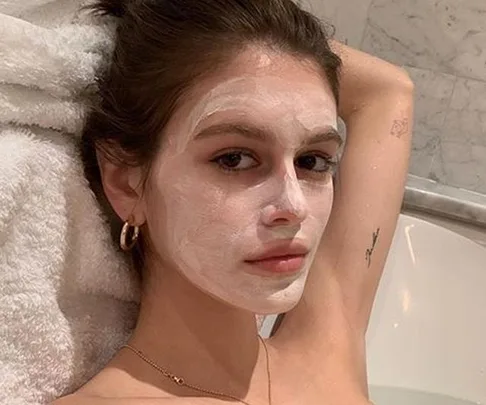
(330, 321)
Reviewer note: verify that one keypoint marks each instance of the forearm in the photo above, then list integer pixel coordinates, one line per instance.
(366, 79)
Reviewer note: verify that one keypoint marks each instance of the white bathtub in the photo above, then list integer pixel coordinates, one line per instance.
(427, 336)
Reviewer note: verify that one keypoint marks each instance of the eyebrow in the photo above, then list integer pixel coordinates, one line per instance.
(329, 134)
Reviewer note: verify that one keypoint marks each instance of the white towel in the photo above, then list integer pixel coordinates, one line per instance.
(67, 297)
(68, 300)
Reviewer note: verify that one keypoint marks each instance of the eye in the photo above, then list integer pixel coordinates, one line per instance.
(315, 162)
(235, 161)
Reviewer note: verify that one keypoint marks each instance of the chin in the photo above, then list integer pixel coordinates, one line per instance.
(273, 306)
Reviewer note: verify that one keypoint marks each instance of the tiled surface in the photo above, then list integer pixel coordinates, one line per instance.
(432, 98)
(460, 164)
(408, 32)
(446, 35)
(442, 44)
(461, 159)
(348, 17)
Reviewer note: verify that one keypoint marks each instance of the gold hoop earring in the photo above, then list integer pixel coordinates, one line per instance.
(126, 246)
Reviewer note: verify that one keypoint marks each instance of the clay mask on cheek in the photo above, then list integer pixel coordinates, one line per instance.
(209, 233)
(207, 236)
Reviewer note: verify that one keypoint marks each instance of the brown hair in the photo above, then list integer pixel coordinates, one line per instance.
(163, 47)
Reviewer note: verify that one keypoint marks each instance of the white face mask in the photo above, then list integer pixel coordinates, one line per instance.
(207, 222)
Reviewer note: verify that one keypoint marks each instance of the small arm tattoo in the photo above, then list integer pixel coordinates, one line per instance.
(369, 252)
(400, 127)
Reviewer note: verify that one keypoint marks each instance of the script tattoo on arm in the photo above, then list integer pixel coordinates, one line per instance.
(400, 127)
(369, 252)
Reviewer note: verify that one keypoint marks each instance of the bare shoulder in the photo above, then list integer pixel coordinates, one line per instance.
(91, 400)
(77, 399)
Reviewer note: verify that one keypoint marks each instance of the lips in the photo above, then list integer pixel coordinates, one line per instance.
(280, 250)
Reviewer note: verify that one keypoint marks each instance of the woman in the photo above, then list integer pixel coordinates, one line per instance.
(215, 144)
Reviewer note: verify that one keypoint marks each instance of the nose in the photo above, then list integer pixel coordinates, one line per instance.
(288, 205)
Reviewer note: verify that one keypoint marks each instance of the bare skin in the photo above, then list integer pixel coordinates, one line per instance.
(317, 355)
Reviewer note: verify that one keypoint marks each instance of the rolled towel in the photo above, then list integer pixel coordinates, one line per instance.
(67, 297)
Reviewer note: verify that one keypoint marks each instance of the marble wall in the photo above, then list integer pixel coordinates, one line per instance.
(442, 44)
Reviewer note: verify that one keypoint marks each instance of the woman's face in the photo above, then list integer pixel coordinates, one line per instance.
(245, 167)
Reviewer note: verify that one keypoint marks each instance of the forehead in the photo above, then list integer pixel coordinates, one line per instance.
(262, 71)
(266, 101)
(265, 85)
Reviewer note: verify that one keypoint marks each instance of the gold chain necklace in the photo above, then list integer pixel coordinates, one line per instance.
(180, 381)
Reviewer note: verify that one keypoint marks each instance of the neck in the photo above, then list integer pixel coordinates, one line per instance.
(195, 336)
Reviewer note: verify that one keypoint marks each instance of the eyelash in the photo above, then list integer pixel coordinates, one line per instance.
(331, 164)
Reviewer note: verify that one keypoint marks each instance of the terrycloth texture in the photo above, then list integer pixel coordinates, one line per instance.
(67, 298)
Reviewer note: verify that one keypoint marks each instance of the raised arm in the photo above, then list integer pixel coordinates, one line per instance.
(377, 107)
(332, 317)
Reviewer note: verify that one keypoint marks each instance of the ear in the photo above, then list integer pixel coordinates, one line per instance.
(123, 189)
